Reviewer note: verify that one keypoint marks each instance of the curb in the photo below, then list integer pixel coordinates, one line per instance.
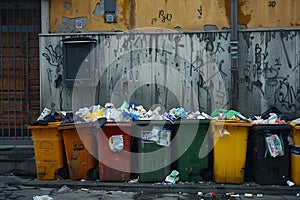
(192, 188)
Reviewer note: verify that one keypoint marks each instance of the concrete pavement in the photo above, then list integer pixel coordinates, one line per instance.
(13, 187)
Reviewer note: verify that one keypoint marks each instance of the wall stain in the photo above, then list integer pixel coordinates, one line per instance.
(128, 16)
(243, 18)
(133, 14)
(67, 5)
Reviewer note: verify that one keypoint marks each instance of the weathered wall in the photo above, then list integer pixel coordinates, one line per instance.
(269, 71)
(190, 70)
(179, 15)
(63, 16)
(269, 14)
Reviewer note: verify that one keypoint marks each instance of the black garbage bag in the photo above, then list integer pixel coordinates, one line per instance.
(283, 116)
(273, 109)
(100, 122)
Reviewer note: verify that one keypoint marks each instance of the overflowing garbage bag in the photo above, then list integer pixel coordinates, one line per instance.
(223, 114)
(129, 111)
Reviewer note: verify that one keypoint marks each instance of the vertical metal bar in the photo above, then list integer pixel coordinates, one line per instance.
(234, 54)
(2, 78)
(8, 74)
(27, 69)
(21, 95)
(8, 101)
(33, 47)
(15, 73)
(21, 77)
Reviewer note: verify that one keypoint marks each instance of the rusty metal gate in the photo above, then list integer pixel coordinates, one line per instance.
(19, 68)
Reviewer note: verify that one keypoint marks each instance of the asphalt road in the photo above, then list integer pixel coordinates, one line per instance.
(65, 193)
(15, 188)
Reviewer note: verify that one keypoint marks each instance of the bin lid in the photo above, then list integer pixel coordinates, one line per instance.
(193, 121)
(50, 125)
(177, 122)
(231, 123)
(113, 124)
(75, 125)
(297, 126)
(153, 122)
(272, 127)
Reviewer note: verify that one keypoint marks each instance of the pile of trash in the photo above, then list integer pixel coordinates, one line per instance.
(271, 116)
(272, 119)
(222, 114)
(125, 113)
(133, 112)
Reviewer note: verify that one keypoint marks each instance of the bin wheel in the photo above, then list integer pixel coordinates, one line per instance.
(206, 174)
(62, 173)
(93, 174)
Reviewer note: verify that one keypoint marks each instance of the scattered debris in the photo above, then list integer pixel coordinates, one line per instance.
(43, 197)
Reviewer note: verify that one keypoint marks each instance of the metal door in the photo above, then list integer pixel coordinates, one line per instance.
(19, 68)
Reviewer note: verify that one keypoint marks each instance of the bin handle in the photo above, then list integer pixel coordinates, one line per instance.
(191, 171)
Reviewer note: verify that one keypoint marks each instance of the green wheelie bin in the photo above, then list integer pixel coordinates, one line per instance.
(193, 150)
(151, 159)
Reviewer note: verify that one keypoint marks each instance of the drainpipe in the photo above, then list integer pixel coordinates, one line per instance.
(234, 54)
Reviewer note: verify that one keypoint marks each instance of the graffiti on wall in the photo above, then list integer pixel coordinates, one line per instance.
(180, 69)
(287, 95)
(54, 59)
(200, 12)
(163, 17)
(272, 69)
(202, 68)
(53, 55)
(272, 4)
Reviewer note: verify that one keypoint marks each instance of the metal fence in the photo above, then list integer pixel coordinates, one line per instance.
(19, 68)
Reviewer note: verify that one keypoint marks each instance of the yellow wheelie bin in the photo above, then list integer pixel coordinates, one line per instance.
(295, 155)
(229, 151)
(80, 143)
(49, 151)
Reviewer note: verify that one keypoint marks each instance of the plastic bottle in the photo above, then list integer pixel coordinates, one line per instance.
(200, 194)
(272, 118)
(248, 195)
(259, 195)
(210, 194)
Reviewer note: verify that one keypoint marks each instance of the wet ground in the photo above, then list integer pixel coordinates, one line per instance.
(24, 193)
(16, 188)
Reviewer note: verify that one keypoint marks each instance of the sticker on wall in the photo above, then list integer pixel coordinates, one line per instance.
(79, 23)
(116, 143)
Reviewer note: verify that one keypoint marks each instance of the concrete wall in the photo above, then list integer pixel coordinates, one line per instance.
(177, 15)
(269, 67)
(183, 65)
(191, 70)
(170, 69)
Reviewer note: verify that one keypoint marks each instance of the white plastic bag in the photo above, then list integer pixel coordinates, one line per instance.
(43, 197)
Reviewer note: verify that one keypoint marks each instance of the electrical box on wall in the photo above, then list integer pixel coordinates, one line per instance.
(79, 62)
(110, 11)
